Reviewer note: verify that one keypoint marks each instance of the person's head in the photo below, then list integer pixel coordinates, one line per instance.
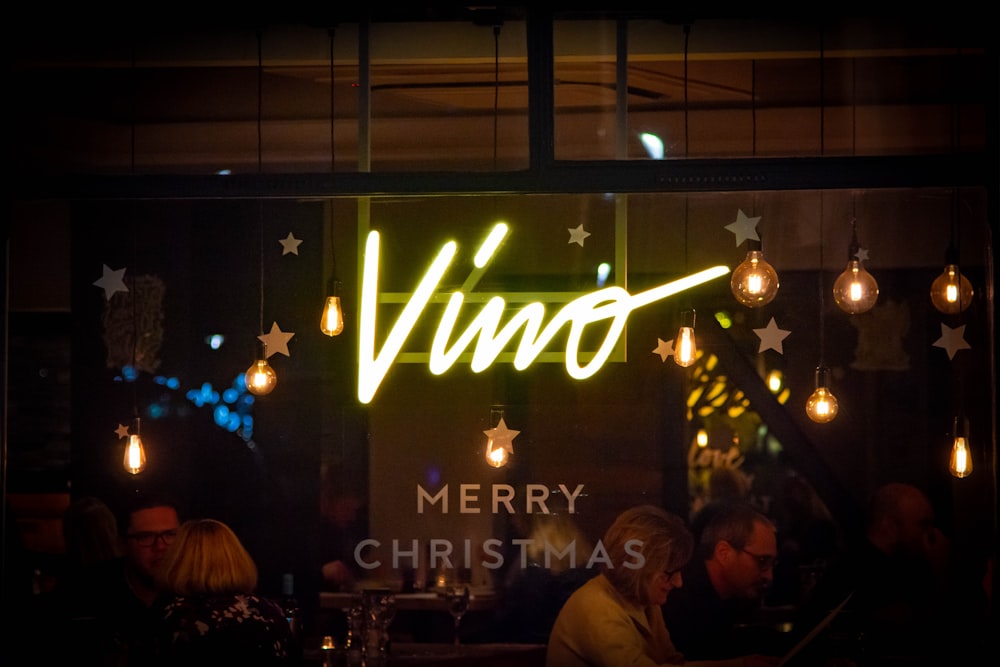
(739, 546)
(147, 525)
(900, 519)
(90, 532)
(207, 558)
(646, 548)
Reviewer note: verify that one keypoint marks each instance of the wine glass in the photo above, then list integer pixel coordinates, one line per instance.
(458, 603)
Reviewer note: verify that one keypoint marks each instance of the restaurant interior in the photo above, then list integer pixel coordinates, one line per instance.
(188, 195)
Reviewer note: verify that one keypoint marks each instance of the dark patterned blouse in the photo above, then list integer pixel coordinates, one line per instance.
(222, 630)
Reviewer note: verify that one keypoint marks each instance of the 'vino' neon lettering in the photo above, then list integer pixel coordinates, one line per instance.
(610, 303)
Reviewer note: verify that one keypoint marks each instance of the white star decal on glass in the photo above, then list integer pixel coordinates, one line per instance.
(111, 281)
(289, 244)
(276, 340)
(502, 436)
(744, 228)
(952, 340)
(122, 431)
(771, 337)
(862, 254)
(664, 348)
(577, 235)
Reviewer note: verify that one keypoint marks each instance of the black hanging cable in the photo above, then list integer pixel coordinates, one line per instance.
(687, 39)
(822, 291)
(260, 169)
(496, 89)
(333, 284)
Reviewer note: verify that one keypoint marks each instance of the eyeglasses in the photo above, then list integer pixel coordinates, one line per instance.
(764, 561)
(149, 538)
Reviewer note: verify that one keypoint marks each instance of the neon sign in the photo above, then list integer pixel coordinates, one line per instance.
(612, 304)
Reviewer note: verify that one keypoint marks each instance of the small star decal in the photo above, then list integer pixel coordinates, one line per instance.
(862, 254)
(952, 340)
(289, 244)
(112, 281)
(744, 228)
(771, 337)
(577, 235)
(276, 340)
(664, 348)
(122, 431)
(502, 436)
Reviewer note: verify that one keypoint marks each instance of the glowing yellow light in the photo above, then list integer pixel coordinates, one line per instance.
(702, 438)
(774, 381)
(497, 457)
(960, 462)
(135, 455)
(951, 292)
(855, 290)
(490, 245)
(332, 321)
(685, 348)
(611, 303)
(260, 378)
(754, 282)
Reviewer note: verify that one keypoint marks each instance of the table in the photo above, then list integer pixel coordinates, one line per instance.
(480, 599)
(448, 655)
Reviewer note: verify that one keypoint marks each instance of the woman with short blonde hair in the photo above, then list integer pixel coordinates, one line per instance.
(207, 558)
(209, 613)
(614, 620)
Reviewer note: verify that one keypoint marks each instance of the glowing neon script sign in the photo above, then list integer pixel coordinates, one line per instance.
(609, 303)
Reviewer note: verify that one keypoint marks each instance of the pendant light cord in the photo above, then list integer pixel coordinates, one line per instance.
(332, 286)
(496, 90)
(822, 291)
(133, 295)
(260, 170)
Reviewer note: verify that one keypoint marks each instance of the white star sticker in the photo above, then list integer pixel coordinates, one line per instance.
(952, 340)
(664, 348)
(771, 337)
(577, 235)
(744, 228)
(502, 436)
(276, 340)
(862, 254)
(289, 244)
(112, 281)
(122, 431)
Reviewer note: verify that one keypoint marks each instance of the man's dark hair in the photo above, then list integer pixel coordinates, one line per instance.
(731, 521)
(143, 500)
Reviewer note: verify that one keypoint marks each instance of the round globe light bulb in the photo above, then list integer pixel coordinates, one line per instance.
(754, 281)
(951, 292)
(821, 406)
(855, 290)
(260, 378)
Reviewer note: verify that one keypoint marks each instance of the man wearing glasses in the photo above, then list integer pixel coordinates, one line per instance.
(111, 615)
(711, 616)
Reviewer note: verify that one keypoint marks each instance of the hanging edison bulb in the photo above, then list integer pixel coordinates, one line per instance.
(960, 462)
(855, 290)
(500, 441)
(821, 407)
(134, 460)
(685, 347)
(951, 292)
(332, 321)
(260, 378)
(754, 281)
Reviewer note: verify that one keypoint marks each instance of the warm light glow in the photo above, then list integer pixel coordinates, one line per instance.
(774, 381)
(951, 292)
(855, 290)
(332, 321)
(685, 349)
(702, 438)
(611, 303)
(496, 456)
(754, 281)
(260, 378)
(821, 407)
(134, 460)
(960, 463)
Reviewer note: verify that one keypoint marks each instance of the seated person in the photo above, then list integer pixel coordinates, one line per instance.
(711, 617)
(903, 605)
(614, 619)
(209, 614)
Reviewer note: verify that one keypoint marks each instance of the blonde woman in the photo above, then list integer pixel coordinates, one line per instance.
(614, 620)
(210, 613)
